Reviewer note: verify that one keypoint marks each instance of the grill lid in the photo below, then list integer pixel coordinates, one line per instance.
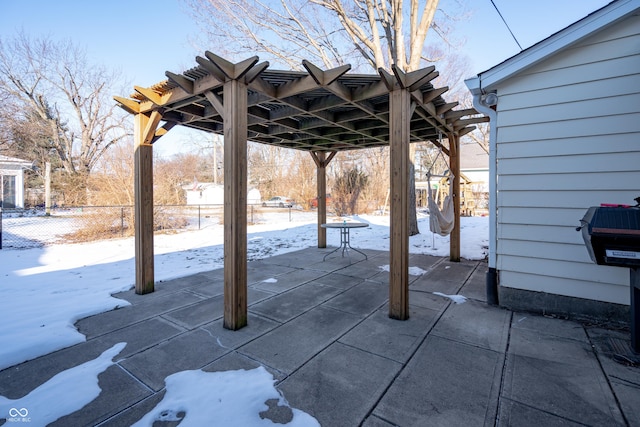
(612, 234)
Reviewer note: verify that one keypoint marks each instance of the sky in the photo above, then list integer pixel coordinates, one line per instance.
(125, 34)
(34, 280)
(145, 38)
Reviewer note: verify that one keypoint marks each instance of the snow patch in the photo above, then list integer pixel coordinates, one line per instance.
(63, 394)
(413, 271)
(458, 299)
(229, 398)
(416, 271)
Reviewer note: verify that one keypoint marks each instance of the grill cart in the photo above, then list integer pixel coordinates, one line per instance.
(612, 236)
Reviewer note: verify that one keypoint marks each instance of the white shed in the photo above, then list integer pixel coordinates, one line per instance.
(204, 193)
(209, 193)
(565, 135)
(12, 182)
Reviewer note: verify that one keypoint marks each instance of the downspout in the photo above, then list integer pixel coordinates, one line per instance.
(484, 103)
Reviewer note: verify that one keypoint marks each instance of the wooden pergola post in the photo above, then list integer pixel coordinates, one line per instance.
(399, 127)
(234, 117)
(321, 161)
(235, 204)
(144, 130)
(454, 164)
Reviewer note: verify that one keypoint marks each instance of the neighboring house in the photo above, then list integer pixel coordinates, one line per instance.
(474, 164)
(565, 135)
(12, 183)
(208, 193)
(474, 182)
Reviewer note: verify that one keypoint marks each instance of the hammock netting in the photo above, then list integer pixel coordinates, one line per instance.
(441, 221)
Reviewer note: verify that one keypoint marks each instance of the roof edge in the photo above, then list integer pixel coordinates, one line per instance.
(596, 21)
(14, 160)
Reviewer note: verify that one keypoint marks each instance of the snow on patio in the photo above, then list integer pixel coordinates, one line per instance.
(46, 290)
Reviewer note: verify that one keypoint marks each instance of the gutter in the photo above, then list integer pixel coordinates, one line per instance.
(483, 102)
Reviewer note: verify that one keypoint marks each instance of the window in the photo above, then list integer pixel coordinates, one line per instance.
(8, 191)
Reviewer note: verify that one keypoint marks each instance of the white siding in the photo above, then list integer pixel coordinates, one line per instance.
(568, 137)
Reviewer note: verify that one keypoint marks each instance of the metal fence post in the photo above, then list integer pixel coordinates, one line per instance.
(0, 227)
(122, 221)
(198, 217)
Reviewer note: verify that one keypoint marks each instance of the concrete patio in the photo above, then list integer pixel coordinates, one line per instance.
(322, 329)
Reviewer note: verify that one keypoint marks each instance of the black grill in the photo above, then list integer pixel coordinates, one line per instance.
(612, 237)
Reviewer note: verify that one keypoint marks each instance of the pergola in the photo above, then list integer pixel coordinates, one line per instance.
(319, 111)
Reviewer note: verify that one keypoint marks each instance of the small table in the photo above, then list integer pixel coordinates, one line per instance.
(344, 236)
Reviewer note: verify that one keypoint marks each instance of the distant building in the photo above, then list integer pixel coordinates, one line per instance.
(208, 193)
(474, 182)
(474, 164)
(12, 184)
(474, 167)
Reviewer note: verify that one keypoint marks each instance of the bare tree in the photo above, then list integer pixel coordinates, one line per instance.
(269, 168)
(375, 163)
(348, 184)
(61, 103)
(365, 33)
(300, 182)
(111, 182)
(286, 31)
(457, 69)
(170, 175)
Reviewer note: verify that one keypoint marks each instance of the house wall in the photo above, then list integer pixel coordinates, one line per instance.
(568, 137)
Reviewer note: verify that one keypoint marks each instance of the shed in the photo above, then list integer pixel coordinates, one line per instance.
(565, 135)
(12, 183)
(210, 193)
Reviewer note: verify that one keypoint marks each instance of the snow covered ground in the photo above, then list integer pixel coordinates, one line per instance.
(44, 291)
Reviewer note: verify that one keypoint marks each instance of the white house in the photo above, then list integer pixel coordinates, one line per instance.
(474, 165)
(208, 193)
(12, 183)
(565, 135)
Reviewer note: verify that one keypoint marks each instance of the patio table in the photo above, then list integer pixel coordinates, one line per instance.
(345, 244)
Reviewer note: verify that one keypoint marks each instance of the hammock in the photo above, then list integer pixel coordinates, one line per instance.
(441, 221)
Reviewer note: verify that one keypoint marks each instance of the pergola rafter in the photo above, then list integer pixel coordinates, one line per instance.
(319, 111)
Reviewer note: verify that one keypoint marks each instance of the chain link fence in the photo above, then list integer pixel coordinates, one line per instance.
(30, 228)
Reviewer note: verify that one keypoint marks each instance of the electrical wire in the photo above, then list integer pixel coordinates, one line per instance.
(506, 25)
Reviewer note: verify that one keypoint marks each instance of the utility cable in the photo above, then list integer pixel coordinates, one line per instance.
(506, 25)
